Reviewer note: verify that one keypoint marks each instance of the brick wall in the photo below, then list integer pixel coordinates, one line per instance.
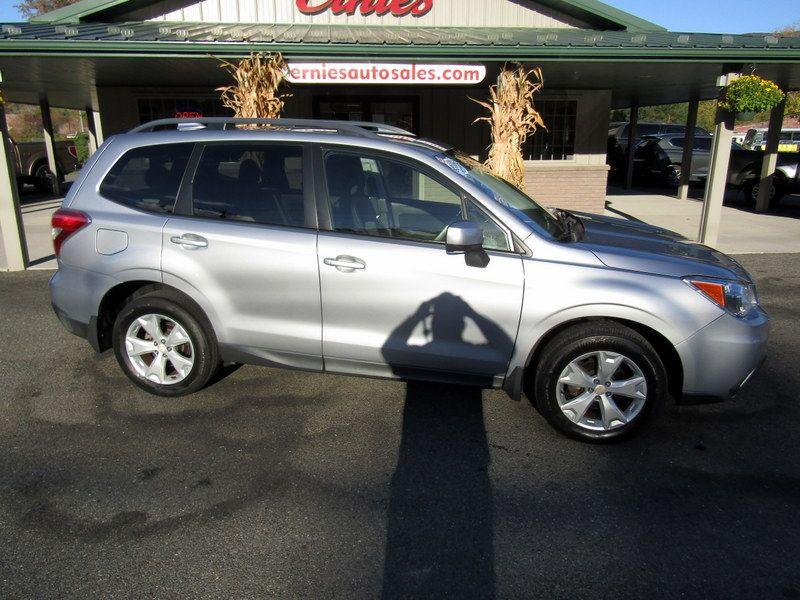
(574, 187)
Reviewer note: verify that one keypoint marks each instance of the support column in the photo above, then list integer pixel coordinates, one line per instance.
(50, 145)
(95, 129)
(633, 125)
(688, 149)
(13, 231)
(93, 144)
(717, 183)
(770, 163)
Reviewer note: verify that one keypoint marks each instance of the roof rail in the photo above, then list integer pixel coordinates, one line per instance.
(356, 128)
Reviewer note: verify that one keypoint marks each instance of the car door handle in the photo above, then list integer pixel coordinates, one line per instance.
(189, 240)
(346, 264)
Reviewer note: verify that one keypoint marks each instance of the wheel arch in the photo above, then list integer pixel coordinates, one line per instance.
(663, 347)
(117, 297)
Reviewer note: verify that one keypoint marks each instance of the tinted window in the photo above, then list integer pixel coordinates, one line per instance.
(148, 178)
(378, 196)
(674, 128)
(255, 183)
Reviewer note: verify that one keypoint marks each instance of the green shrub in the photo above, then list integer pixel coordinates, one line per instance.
(81, 141)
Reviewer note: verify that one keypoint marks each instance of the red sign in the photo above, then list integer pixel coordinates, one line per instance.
(188, 113)
(380, 8)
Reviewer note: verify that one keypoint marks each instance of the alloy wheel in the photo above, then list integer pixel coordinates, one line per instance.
(601, 390)
(159, 349)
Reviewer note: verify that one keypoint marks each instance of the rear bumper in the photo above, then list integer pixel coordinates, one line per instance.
(722, 357)
(72, 296)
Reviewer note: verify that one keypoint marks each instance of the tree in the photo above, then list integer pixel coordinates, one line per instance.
(32, 8)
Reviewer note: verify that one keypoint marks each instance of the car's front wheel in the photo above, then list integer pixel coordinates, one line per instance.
(163, 346)
(599, 381)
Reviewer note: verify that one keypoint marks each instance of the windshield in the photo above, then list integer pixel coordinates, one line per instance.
(512, 198)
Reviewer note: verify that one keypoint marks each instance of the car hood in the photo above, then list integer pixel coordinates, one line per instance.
(637, 246)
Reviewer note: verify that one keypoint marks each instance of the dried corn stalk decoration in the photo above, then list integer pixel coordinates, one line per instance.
(258, 79)
(512, 117)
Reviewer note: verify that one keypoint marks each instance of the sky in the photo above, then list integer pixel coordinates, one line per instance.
(709, 16)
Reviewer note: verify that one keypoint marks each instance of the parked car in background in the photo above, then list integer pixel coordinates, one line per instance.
(756, 139)
(618, 140)
(360, 249)
(32, 166)
(657, 161)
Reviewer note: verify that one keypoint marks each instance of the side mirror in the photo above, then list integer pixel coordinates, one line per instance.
(463, 236)
(466, 237)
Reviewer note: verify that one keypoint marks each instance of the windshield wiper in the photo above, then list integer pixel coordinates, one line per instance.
(573, 226)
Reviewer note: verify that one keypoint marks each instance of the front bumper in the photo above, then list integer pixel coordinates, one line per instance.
(722, 357)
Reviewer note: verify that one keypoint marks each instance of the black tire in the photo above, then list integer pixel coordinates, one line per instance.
(673, 176)
(590, 337)
(43, 178)
(750, 190)
(204, 344)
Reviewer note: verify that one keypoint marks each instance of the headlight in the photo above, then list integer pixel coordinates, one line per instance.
(736, 297)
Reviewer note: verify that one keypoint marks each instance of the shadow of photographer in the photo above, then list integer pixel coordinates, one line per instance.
(440, 537)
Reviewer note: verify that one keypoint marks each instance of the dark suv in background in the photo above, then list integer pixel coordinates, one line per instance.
(657, 162)
(618, 134)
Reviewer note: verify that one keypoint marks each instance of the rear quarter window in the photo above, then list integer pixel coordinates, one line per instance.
(148, 178)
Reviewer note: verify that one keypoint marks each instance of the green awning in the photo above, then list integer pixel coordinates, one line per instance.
(159, 38)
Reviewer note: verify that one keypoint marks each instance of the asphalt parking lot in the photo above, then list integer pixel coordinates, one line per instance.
(274, 484)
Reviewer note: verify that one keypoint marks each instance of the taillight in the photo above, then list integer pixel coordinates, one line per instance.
(65, 222)
(73, 151)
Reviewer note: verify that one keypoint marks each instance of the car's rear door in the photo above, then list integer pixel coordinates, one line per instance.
(394, 301)
(244, 242)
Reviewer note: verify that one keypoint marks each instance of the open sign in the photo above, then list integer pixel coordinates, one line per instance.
(188, 113)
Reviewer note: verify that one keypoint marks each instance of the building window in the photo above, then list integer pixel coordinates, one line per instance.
(398, 111)
(557, 142)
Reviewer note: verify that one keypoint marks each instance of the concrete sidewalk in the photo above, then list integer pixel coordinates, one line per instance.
(742, 230)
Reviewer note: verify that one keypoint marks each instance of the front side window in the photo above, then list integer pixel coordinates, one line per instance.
(148, 178)
(374, 195)
(255, 183)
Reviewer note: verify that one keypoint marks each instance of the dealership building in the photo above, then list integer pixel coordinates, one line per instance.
(416, 64)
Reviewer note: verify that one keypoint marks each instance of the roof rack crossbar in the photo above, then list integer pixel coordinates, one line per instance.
(355, 128)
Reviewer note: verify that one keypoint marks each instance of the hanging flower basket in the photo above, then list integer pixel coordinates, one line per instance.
(750, 93)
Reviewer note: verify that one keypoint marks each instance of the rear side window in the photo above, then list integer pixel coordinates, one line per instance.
(255, 183)
(148, 178)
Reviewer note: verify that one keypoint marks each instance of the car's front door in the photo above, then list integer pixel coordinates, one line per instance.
(247, 241)
(394, 301)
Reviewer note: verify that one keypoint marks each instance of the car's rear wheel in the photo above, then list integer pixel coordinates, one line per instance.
(599, 381)
(43, 178)
(752, 187)
(163, 346)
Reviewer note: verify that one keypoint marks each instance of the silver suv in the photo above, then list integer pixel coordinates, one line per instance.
(360, 249)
